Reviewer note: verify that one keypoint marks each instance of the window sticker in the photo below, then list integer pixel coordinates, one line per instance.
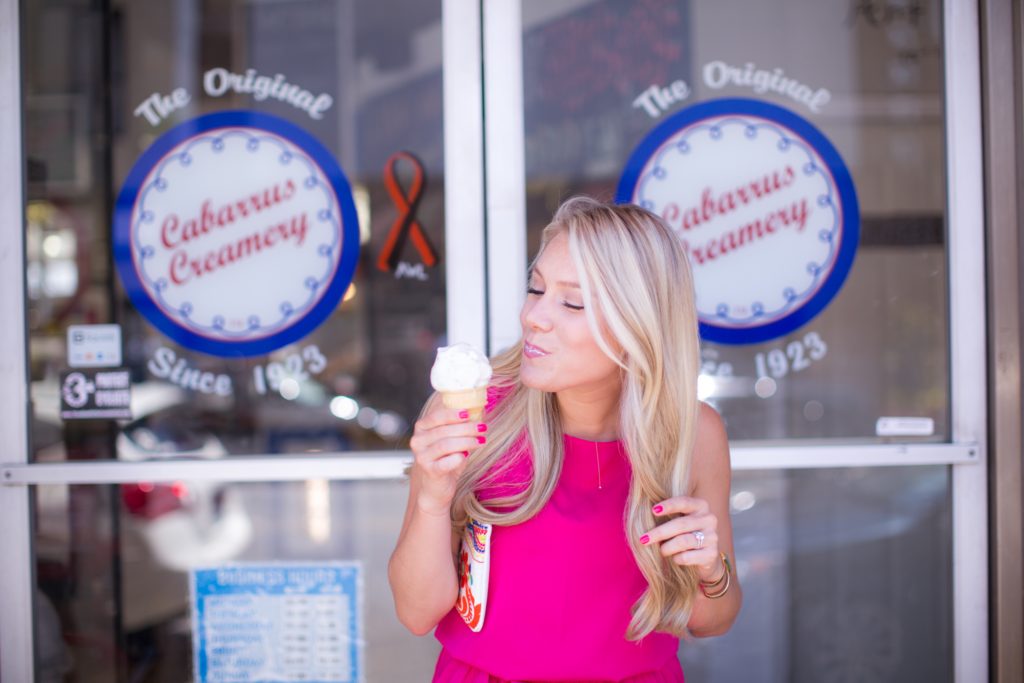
(905, 426)
(89, 394)
(406, 227)
(764, 206)
(94, 346)
(220, 82)
(235, 233)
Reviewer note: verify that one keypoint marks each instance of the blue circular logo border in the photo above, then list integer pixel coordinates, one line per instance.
(850, 236)
(122, 245)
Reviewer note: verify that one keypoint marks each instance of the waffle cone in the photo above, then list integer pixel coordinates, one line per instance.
(472, 400)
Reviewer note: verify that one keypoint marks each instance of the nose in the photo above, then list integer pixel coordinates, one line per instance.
(535, 315)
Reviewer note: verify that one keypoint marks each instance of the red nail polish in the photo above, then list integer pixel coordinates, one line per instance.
(465, 454)
(481, 439)
(645, 539)
(463, 414)
(658, 509)
(481, 428)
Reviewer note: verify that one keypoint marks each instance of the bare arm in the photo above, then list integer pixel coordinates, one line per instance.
(704, 512)
(712, 477)
(422, 573)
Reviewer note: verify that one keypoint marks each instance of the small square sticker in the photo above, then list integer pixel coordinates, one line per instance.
(94, 346)
(96, 394)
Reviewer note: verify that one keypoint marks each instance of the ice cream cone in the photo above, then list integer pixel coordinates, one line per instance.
(473, 400)
(461, 374)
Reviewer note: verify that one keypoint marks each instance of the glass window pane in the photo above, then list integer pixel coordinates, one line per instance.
(625, 100)
(846, 576)
(114, 584)
(846, 572)
(243, 189)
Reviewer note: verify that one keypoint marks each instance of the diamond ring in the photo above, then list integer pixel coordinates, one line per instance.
(699, 535)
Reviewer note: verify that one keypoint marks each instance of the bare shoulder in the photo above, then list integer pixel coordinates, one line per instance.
(711, 447)
(710, 427)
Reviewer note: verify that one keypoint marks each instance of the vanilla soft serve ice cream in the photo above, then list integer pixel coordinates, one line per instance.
(460, 374)
(460, 367)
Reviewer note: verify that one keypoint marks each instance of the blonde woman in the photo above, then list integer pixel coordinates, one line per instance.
(605, 480)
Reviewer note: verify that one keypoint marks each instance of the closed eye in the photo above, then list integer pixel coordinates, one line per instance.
(540, 292)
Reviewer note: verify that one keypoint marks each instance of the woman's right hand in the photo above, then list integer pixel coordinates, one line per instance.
(442, 439)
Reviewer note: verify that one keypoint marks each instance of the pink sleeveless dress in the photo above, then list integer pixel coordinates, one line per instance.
(561, 588)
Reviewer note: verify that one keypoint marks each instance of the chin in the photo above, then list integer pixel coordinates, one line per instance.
(531, 380)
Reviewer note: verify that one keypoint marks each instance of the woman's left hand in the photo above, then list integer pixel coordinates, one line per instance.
(691, 538)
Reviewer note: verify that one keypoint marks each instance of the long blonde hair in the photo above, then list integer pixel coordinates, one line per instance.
(636, 280)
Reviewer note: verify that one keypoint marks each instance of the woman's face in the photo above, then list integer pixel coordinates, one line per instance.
(559, 352)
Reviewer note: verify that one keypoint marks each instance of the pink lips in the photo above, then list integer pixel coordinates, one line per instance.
(531, 351)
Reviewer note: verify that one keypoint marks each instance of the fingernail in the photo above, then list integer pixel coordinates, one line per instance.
(481, 428)
(658, 509)
(481, 439)
(645, 539)
(463, 414)
(465, 454)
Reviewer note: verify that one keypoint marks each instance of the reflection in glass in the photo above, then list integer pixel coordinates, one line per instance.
(846, 572)
(598, 76)
(846, 577)
(101, 97)
(113, 566)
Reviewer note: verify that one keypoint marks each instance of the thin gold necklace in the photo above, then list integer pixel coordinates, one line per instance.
(597, 459)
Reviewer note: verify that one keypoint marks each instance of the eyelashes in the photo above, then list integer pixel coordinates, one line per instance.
(539, 292)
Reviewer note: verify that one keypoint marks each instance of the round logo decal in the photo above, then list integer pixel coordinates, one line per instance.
(235, 233)
(764, 206)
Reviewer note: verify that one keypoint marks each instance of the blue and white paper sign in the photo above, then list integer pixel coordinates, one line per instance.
(235, 233)
(763, 204)
(277, 622)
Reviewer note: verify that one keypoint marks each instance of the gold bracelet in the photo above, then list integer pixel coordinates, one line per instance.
(728, 568)
(715, 596)
(720, 579)
(726, 577)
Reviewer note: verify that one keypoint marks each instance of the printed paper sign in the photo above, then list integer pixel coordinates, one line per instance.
(236, 234)
(91, 394)
(94, 346)
(764, 206)
(277, 622)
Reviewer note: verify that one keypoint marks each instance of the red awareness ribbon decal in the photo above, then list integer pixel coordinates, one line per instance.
(406, 224)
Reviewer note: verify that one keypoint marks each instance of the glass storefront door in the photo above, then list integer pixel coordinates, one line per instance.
(799, 150)
(239, 232)
(240, 218)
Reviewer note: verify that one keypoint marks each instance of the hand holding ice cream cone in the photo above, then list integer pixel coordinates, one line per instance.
(444, 436)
